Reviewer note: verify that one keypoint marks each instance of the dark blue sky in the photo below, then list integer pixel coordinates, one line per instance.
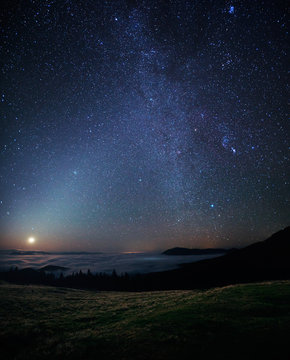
(139, 125)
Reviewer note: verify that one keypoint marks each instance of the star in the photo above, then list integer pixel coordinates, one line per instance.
(232, 9)
(114, 111)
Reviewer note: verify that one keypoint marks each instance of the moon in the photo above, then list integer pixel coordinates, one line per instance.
(31, 240)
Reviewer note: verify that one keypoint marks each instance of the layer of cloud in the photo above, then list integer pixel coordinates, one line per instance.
(130, 263)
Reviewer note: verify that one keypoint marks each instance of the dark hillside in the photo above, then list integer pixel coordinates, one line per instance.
(186, 251)
(265, 260)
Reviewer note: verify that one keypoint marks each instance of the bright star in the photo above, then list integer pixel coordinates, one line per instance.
(232, 10)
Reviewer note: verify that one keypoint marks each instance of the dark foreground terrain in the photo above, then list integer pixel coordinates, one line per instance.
(234, 322)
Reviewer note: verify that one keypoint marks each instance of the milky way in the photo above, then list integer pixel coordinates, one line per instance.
(137, 125)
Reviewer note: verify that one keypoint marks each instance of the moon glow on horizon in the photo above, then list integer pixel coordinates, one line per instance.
(31, 240)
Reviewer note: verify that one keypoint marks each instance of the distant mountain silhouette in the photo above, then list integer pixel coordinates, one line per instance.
(38, 252)
(23, 252)
(186, 251)
(272, 253)
(52, 268)
(264, 260)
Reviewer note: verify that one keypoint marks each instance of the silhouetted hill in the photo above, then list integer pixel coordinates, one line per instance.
(186, 251)
(53, 268)
(272, 253)
(264, 260)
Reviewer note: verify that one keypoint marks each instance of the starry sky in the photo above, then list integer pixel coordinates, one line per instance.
(142, 125)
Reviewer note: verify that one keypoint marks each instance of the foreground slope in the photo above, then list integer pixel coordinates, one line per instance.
(234, 322)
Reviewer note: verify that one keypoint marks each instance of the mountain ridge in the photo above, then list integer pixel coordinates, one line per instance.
(264, 260)
(195, 251)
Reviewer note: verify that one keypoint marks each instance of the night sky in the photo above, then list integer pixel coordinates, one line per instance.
(142, 125)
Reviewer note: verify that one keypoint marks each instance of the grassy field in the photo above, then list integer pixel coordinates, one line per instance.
(234, 322)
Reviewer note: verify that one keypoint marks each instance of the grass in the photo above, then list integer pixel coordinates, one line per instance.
(234, 322)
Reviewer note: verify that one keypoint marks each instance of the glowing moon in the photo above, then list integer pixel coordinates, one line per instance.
(31, 240)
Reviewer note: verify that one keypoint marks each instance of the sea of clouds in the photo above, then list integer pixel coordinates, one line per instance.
(97, 262)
